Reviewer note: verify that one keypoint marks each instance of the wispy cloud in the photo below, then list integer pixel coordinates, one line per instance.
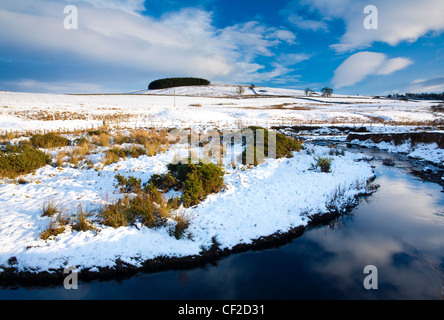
(427, 85)
(398, 20)
(30, 85)
(307, 24)
(183, 42)
(363, 64)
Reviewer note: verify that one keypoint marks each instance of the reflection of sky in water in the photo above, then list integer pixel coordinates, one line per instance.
(399, 232)
(397, 229)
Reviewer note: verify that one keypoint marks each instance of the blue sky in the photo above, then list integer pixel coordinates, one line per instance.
(122, 45)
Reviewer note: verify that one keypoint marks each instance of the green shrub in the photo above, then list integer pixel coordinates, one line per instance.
(129, 185)
(49, 140)
(324, 163)
(22, 159)
(284, 146)
(196, 181)
(81, 141)
(177, 82)
(174, 203)
(164, 181)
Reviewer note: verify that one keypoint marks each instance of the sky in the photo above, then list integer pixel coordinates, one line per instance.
(374, 47)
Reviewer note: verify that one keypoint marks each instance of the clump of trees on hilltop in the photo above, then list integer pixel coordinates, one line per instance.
(177, 82)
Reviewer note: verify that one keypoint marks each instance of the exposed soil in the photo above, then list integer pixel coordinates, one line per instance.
(344, 129)
(400, 138)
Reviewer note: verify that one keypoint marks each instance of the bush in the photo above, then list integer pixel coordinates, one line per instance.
(113, 155)
(284, 146)
(134, 152)
(164, 181)
(144, 208)
(81, 141)
(438, 108)
(177, 82)
(49, 140)
(196, 181)
(324, 163)
(23, 159)
(96, 132)
(129, 185)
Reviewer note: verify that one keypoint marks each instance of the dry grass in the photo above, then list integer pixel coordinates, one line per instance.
(56, 227)
(81, 223)
(110, 158)
(50, 115)
(50, 209)
(53, 230)
(182, 223)
(149, 209)
(103, 139)
(60, 159)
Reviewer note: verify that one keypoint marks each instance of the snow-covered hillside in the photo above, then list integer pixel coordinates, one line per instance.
(192, 106)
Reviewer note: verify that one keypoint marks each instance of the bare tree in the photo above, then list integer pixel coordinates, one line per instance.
(308, 92)
(327, 92)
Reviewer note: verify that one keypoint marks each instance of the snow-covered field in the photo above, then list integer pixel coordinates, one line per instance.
(211, 105)
(272, 197)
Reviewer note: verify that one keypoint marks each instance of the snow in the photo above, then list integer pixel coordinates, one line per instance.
(195, 106)
(272, 197)
(423, 151)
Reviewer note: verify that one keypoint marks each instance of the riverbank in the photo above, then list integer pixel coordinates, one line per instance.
(259, 207)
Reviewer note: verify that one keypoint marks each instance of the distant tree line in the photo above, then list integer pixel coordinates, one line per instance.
(420, 96)
(177, 82)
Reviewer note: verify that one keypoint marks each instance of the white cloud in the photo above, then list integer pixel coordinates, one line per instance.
(363, 64)
(314, 25)
(289, 59)
(127, 6)
(398, 20)
(427, 85)
(393, 65)
(112, 32)
(29, 85)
